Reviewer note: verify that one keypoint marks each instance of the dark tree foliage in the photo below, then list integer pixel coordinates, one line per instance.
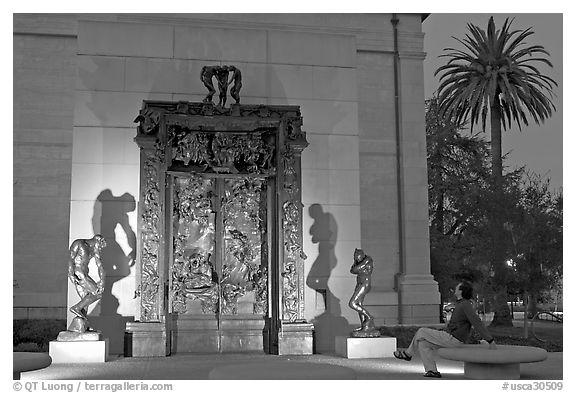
(536, 229)
(461, 202)
(458, 174)
(496, 75)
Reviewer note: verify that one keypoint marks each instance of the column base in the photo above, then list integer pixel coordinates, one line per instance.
(419, 299)
(295, 338)
(144, 339)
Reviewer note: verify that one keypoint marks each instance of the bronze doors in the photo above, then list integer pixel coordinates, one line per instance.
(220, 264)
(218, 296)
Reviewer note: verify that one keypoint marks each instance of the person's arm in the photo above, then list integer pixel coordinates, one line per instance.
(363, 264)
(71, 267)
(477, 323)
(366, 265)
(101, 272)
(354, 268)
(71, 274)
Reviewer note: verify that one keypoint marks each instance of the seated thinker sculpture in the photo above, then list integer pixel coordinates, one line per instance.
(456, 333)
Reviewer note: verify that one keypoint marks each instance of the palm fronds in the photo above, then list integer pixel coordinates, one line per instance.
(496, 72)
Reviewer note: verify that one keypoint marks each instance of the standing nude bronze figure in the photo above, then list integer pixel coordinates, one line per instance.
(81, 252)
(221, 73)
(237, 79)
(362, 267)
(222, 78)
(206, 77)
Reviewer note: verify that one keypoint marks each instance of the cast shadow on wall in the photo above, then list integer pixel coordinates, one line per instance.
(110, 212)
(330, 322)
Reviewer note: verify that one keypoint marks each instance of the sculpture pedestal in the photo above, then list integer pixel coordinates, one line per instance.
(79, 351)
(359, 348)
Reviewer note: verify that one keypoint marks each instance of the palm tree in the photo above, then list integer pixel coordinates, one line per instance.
(496, 74)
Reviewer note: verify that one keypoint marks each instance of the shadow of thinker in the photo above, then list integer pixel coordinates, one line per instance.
(109, 213)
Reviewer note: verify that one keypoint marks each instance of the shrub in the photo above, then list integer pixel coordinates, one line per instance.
(39, 332)
(27, 347)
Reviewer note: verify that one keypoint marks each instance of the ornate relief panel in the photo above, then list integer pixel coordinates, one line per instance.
(150, 232)
(192, 269)
(245, 260)
(220, 152)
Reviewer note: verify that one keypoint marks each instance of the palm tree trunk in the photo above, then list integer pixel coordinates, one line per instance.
(502, 314)
(532, 305)
(526, 313)
(439, 219)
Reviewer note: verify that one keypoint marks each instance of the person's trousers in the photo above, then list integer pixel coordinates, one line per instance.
(427, 340)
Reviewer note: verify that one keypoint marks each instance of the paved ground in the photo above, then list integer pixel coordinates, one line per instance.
(198, 367)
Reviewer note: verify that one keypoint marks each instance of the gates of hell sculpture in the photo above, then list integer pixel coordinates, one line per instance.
(220, 262)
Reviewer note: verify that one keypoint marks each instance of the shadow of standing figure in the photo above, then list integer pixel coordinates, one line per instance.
(330, 323)
(324, 232)
(109, 213)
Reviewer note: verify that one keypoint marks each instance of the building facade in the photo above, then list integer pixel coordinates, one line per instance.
(357, 79)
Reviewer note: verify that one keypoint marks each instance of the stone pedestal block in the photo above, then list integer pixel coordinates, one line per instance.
(79, 351)
(359, 348)
(143, 339)
(295, 339)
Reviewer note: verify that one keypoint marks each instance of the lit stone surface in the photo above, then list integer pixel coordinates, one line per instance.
(287, 371)
(359, 348)
(79, 351)
(125, 39)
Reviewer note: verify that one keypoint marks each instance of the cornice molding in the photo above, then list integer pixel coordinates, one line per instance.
(220, 21)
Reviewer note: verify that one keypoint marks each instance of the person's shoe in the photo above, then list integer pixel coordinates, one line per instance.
(402, 355)
(433, 374)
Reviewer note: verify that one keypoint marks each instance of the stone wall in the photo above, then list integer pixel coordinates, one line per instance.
(44, 77)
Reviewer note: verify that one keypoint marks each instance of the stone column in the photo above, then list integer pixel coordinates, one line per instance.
(418, 292)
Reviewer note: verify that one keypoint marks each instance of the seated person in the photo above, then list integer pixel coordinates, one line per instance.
(426, 340)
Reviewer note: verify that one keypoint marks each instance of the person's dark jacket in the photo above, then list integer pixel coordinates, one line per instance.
(462, 320)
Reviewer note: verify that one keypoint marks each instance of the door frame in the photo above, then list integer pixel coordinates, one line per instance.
(155, 137)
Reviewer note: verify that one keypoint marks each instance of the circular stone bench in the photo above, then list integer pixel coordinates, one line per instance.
(281, 370)
(29, 361)
(480, 362)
